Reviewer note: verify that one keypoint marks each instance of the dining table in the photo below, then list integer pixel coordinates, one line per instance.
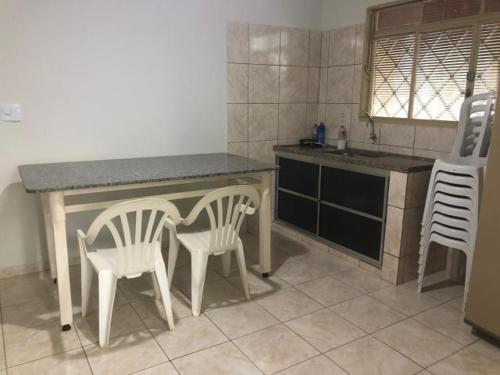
(79, 186)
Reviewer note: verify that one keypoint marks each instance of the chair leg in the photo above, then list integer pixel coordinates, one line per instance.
(173, 251)
(226, 263)
(198, 271)
(107, 290)
(240, 258)
(87, 273)
(424, 252)
(468, 270)
(161, 278)
(156, 289)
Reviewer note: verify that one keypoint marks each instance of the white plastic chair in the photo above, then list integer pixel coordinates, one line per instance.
(132, 255)
(452, 204)
(226, 209)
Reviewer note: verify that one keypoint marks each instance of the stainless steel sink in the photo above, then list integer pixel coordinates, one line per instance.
(358, 153)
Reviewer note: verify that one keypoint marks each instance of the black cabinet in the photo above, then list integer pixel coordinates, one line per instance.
(355, 232)
(358, 191)
(335, 202)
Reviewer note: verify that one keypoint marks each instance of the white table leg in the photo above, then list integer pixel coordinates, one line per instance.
(58, 216)
(265, 221)
(49, 234)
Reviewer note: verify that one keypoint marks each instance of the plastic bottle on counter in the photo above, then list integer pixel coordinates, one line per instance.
(342, 140)
(321, 134)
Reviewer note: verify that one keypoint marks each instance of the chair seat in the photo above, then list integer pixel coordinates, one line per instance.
(107, 259)
(196, 241)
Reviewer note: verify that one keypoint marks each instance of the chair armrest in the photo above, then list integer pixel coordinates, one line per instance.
(81, 241)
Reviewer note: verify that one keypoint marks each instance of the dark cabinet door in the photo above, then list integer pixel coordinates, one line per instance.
(298, 176)
(299, 211)
(359, 191)
(358, 233)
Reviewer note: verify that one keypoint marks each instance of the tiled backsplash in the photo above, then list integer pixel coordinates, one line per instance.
(272, 86)
(282, 80)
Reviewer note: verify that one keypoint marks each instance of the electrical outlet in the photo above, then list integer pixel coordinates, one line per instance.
(10, 112)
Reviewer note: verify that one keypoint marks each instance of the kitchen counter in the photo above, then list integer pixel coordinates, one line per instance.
(374, 159)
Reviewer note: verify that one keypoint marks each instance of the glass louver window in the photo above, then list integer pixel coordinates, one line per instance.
(488, 59)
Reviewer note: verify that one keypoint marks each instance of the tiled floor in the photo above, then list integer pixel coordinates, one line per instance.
(315, 315)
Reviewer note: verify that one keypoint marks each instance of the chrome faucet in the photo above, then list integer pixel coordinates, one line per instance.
(372, 137)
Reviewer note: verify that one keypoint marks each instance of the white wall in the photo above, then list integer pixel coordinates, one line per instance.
(339, 13)
(110, 79)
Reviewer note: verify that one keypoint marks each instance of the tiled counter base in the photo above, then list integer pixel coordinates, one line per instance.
(406, 201)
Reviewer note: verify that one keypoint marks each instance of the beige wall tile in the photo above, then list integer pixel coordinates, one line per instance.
(237, 42)
(325, 47)
(264, 44)
(390, 268)
(238, 148)
(435, 138)
(261, 150)
(408, 268)
(360, 38)
(294, 47)
(393, 231)
(397, 189)
(264, 84)
(342, 45)
(237, 122)
(312, 117)
(397, 150)
(412, 223)
(237, 83)
(418, 184)
(322, 113)
(337, 115)
(397, 135)
(313, 85)
(363, 146)
(315, 48)
(340, 83)
(430, 154)
(293, 84)
(323, 84)
(359, 130)
(263, 122)
(356, 88)
(292, 121)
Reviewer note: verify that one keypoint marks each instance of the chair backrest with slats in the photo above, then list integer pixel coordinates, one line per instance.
(474, 128)
(136, 227)
(226, 208)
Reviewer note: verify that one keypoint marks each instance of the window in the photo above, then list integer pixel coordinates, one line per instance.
(425, 56)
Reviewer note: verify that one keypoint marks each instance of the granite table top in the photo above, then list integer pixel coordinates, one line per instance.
(39, 178)
(383, 160)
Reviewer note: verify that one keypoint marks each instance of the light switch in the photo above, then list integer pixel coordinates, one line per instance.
(10, 112)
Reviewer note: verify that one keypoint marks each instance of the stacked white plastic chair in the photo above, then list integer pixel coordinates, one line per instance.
(135, 252)
(454, 194)
(226, 208)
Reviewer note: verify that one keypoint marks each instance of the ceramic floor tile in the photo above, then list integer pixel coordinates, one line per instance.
(2, 352)
(362, 280)
(328, 291)
(238, 320)
(457, 303)
(367, 313)
(220, 293)
(370, 356)
(258, 285)
(487, 349)
(327, 263)
(72, 362)
(417, 342)
(151, 310)
(325, 330)
(125, 354)
(163, 369)
(275, 348)
(466, 362)
(27, 288)
(437, 286)
(124, 320)
(190, 335)
(38, 341)
(405, 300)
(219, 360)
(449, 322)
(297, 272)
(288, 303)
(317, 365)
